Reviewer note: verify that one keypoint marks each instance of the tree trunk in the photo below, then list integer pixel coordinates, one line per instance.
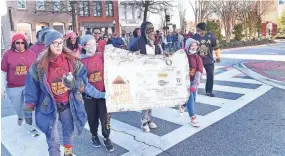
(145, 10)
(74, 27)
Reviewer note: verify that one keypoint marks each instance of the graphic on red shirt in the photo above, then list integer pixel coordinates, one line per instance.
(58, 87)
(21, 68)
(95, 76)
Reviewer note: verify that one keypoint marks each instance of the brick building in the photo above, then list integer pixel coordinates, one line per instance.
(100, 14)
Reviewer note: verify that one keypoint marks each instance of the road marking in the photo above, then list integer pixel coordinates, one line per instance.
(255, 57)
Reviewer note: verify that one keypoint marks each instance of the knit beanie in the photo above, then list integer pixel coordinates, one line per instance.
(202, 26)
(71, 34)
(43, 33)
(84, 39)
(188, 43)
(51, 36)
(17, 37)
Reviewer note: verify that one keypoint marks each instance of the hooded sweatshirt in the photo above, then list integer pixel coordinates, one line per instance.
(140, 44)
(195, 64)
(95, 70)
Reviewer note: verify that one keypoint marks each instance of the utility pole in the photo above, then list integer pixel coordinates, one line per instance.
(165, 24)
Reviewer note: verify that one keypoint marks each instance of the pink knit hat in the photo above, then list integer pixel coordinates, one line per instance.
(71, 34)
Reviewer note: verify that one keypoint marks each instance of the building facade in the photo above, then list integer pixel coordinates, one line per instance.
(130, 16)
(103, 15)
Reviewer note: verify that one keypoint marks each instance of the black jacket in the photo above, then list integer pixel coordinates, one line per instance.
(139, 44)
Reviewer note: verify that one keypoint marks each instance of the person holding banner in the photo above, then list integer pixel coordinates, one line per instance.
(95, 108)
(196, 70)
(145, 44)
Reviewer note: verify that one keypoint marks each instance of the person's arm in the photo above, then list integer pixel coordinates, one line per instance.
(215, 44)
(4, 70)
(31, 93)
(81, 82)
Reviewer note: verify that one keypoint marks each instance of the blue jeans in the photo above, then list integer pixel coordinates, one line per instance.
(190, 104)
(53, 140)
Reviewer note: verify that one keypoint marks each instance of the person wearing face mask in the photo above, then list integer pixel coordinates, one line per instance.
(145, 44)
(55, 83)
(208, 43)
(195, 72)
(39, 46)
(72, 44)
(96, 108)
(14, 65)
(101, 43)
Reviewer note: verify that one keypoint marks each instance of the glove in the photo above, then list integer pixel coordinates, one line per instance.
(192, 89)
(29, 121)
(218, 60)
(68, 80)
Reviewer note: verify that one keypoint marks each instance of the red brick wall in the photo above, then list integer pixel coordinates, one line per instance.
(103, 18)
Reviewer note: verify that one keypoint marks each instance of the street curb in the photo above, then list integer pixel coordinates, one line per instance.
(241, 67)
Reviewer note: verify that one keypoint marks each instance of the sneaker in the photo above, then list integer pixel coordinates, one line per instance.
(95, 141)
(210, 94)
(108, 144)
(144, 125)
(20, 121)
(34, 133)
(152, 125)
(194, 122)
(181, 110)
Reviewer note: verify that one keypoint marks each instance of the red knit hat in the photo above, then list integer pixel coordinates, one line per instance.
(17, 37)
(71, 34)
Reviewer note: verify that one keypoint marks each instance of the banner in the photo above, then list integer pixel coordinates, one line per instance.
(138, 82)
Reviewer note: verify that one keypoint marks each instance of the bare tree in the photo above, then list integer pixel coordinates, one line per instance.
(202, 9)
(70, 7)
(227, 11)
(182, 12)
(152, 6)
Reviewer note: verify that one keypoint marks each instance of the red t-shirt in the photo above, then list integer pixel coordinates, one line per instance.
(38, 48)
(95, 67)
(17, 65)
(57, 67)
(195, 64)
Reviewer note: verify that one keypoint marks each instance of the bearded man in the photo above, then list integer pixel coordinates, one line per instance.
(145, 44)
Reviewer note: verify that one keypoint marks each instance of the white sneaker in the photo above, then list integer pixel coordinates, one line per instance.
(194, 122)
(144, 125)
(152, 125)
(20, 121)
(34, 133)
(181, 110)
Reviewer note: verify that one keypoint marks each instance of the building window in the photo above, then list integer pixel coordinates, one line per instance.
(59, 27)
(22, 4)
(25, 29)
(97, 8)
(84, 8)
(40, 4)
(56, 5)
(109, 8)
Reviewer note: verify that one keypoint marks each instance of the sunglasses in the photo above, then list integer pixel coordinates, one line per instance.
(96, 33)
(20, 42)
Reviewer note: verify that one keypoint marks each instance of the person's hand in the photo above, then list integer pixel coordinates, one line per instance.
(107, 95)
(3, 93)
(68, 80)
(192, 89)
(29, 121)
(218, 60)
(166, 54)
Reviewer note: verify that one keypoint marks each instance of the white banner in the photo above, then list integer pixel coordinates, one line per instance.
(138, 82)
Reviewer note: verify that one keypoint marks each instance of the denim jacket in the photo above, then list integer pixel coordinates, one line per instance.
(38, 97)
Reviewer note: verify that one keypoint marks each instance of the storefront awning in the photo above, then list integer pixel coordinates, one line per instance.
(97, 24)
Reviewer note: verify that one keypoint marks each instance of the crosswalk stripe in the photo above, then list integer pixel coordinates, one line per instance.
(228, 74)
(240, 80)
(228, 89)
(19, 142)
(215, 101)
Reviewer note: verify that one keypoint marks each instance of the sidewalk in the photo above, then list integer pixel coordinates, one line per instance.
(269, 72)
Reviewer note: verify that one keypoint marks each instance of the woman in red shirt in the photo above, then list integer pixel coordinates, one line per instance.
(14, 65)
